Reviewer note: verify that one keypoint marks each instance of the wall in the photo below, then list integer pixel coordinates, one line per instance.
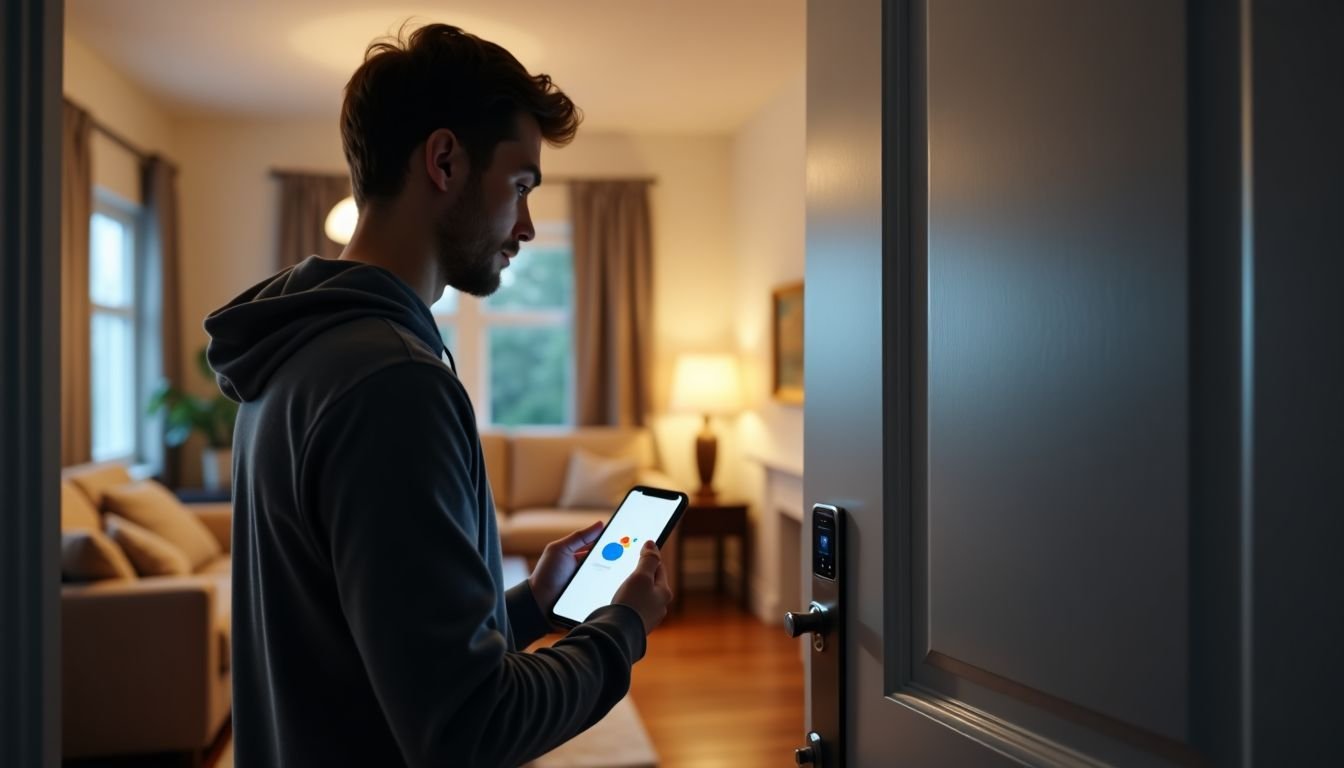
(769, 200)
(727, 210)
(229, 226)
(122, 106)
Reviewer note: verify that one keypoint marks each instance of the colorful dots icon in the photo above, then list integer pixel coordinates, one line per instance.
(615, 549)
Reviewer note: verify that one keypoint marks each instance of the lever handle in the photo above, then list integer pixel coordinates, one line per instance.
(816, 620)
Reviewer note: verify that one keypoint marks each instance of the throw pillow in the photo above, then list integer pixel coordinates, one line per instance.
(77, 512)
(150, 505)
(596, 481)
(88, 555)
(150, 553)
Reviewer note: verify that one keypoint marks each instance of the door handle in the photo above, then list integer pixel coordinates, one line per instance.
(817, 621)
(813, 754)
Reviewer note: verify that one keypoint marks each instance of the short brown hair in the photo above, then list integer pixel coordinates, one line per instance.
(440, 77)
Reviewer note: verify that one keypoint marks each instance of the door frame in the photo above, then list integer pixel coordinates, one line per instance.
(30, 339)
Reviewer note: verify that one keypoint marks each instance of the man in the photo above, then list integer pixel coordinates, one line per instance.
(370, 627)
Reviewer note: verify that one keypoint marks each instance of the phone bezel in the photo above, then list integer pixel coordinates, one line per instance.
(683, 501)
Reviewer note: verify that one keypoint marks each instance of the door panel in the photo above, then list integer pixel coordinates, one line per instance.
(997, 374)
(1055, 505)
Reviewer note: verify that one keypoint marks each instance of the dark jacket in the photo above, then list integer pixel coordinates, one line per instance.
(370, 626)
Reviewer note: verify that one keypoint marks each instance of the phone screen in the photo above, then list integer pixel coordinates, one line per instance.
(641, 517)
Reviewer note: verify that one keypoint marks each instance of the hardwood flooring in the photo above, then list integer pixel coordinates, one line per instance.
(719, 688)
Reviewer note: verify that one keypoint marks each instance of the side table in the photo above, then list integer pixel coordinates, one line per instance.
(198, 495)
(717, 517)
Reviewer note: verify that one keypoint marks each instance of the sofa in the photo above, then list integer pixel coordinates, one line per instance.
(144, 660)
(528, 472)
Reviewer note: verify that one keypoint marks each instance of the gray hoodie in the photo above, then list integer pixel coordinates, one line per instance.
(370, 626)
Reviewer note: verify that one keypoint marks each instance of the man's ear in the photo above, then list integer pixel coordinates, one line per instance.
(445, 160)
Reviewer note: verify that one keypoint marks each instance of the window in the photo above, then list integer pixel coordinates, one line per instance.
(514, 349)
(114, 343)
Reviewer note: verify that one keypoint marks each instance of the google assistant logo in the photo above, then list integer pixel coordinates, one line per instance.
(615, 549)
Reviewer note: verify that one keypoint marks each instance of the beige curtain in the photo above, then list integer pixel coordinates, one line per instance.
(305, 201)
(76, 209)
(613, 293)
(162, 254)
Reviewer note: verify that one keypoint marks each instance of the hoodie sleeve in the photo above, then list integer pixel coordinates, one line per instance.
(388, 485)
(526, 620)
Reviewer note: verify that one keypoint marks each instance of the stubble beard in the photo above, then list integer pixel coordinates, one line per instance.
(467, 248)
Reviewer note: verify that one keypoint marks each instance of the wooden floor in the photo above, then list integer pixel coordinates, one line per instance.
(716, 688)
(719, 688)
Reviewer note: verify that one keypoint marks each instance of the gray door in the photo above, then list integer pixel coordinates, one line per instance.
(1001, 380)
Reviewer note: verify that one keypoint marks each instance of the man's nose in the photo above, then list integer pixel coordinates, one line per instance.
(523, 230)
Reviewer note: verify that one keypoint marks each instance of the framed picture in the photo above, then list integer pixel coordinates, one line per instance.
(787, 325)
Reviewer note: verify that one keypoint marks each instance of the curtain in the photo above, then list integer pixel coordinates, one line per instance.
(305, 201)
(76, 210)
(613, 292)
(162, 257)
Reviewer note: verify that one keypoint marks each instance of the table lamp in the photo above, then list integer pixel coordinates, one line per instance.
(710, 385)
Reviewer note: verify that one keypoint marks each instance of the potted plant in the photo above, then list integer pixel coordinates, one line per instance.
(211, 416)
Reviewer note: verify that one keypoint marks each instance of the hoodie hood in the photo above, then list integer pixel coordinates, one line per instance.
(254, 334)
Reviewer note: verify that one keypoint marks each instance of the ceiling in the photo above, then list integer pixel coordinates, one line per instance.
(689, 66)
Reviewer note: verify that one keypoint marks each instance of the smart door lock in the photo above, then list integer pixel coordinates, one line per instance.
(823, 620)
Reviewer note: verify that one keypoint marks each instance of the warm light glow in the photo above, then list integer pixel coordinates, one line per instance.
(340, 224)
(708, 384)
(338, 40)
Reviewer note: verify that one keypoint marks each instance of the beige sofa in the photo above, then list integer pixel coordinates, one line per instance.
(527, 475)
(144, 662)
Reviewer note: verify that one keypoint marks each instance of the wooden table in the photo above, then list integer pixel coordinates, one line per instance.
(717, 517)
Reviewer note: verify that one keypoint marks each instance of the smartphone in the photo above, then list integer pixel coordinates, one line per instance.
(646, 513)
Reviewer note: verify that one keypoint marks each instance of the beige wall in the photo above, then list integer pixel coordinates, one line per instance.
(727, 216)
(769, 205)
(229, 226)
(122, 106)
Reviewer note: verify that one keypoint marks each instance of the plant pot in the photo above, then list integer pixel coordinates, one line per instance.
(216, 468)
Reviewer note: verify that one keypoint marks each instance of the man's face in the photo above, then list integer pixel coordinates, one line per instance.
(479, 234)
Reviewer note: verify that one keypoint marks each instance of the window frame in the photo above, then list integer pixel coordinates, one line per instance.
(129, 215)
(472, 321)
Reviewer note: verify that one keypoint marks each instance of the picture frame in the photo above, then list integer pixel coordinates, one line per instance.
(786, 325)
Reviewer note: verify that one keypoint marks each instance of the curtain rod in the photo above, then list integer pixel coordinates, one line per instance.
(122, 141)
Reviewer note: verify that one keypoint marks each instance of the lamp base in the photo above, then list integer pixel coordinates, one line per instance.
(706, 451)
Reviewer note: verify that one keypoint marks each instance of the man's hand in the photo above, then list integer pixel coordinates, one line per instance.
(646, 589)
(558, 563)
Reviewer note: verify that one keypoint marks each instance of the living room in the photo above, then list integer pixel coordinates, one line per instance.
(212, 159)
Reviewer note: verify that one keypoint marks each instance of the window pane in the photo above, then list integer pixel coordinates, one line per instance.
(113, 386)
(529, 375)
(109, 262)
(540, 278)
(447, 303)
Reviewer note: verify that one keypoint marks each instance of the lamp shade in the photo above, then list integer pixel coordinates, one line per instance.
(707, 384)
(340, 223)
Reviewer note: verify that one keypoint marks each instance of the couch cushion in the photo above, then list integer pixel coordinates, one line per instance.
(151, 505)
(220, 566)
(77, 512)
(495, 449)
(596, 481)
(527, 532)
(218, 571)
(95, 479)
(538, 461)
(150, 553)
(89, 555)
